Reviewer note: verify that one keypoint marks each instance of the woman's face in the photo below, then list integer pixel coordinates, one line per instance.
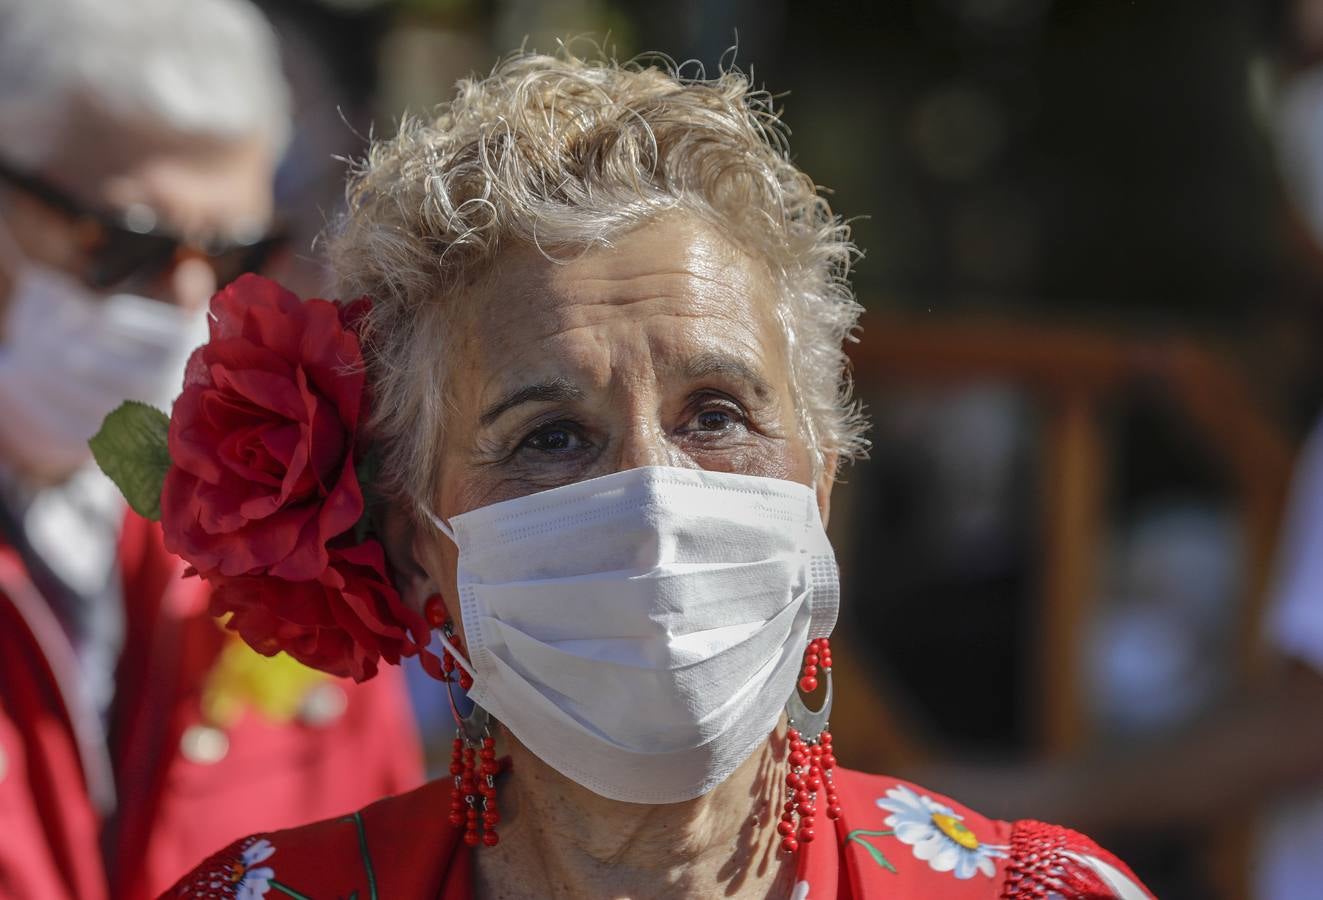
(661, 350)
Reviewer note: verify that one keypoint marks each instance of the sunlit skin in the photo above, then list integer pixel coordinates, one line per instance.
(663, 349)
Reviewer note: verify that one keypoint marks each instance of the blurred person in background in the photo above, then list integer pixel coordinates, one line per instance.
(138, 142)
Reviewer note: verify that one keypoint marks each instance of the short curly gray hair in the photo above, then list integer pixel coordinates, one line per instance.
(562, 153)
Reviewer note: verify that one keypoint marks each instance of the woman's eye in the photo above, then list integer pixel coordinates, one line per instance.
(553, 439)
(716, 419)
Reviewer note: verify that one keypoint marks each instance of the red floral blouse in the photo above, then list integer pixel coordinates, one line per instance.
(893, 840)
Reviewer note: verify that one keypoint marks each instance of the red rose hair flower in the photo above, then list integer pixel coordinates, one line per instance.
(341, 623)
(260, 491)
(263, 438)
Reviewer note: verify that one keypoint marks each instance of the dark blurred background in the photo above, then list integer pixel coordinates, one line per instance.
(1093, 300)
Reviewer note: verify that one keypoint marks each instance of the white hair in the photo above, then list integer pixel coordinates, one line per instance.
(194, 67)
(564, 153)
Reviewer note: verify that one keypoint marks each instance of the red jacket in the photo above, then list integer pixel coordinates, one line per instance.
(172, 808)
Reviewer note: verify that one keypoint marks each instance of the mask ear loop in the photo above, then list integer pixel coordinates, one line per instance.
(455, 654)
(473, 723)
(460, 660)
(441, 526)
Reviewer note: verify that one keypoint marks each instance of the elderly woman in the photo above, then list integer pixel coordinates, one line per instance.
(608, 404)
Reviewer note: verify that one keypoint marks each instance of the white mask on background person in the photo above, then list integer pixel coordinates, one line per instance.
(641, 632)
(69, 356)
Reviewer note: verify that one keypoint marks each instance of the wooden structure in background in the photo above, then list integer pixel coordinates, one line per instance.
(1072, 373)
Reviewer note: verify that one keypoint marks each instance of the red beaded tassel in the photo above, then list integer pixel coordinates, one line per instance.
(811, 764)
(472, 763)
(473, 802)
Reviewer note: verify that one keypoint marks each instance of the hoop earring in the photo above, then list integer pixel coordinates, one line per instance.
(810, 753)
(473, 763)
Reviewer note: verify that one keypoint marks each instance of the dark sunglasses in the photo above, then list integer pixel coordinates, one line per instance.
(139, 251)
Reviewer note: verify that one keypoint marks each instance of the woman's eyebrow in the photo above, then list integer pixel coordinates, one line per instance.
(550, 390)
(711, 362)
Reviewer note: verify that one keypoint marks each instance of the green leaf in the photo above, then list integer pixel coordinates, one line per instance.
(133, 450)
(878, 856)
(289, 891)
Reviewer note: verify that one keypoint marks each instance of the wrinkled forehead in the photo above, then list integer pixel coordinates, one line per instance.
(676, 268)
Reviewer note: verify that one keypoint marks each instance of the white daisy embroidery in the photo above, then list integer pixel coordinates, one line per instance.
(937, 834)
(250, 881)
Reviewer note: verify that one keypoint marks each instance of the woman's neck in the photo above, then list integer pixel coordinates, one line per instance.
(560, 840)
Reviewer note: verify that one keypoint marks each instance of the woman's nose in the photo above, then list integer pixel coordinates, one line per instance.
(647, 444)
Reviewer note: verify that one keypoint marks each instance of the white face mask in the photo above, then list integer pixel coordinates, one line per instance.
(70, 356)
(641, 632)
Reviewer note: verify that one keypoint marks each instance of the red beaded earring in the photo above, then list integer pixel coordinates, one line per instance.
(810, 754)
(434, 610)
(473, 757)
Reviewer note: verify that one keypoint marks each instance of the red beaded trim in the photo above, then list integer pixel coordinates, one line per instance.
(1038, 864)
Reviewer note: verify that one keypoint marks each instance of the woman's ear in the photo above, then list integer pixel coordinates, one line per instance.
(399, 537)
(826, 481)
